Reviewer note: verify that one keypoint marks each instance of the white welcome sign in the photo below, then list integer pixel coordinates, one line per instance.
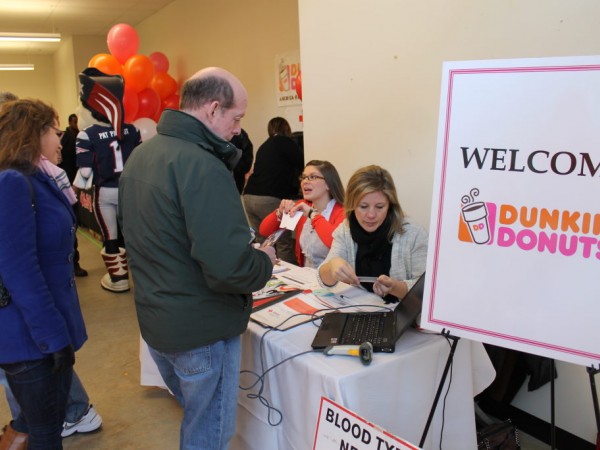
(514, 252)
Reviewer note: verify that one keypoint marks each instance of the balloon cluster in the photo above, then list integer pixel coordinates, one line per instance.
(148, 87)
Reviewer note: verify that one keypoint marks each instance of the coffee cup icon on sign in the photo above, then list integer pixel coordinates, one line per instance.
(475, 216)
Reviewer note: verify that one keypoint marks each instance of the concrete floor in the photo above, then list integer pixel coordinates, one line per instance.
(134, 417)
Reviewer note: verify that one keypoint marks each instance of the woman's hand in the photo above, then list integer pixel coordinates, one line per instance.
(338, 269)
(386, 285)
(285, 206)
(302, 207)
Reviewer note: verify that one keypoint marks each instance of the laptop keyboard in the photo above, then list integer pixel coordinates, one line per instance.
(363, 327)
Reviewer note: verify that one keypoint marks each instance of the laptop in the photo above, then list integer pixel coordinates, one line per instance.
(381, 328)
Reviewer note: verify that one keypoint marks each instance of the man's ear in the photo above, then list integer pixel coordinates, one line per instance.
(214, 105)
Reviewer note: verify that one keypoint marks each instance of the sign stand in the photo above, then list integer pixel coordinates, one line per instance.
(552, 409)
(454, 339)
(592, 372)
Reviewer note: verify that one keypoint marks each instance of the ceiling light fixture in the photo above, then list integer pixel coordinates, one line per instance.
(29, 37)
(16, 67)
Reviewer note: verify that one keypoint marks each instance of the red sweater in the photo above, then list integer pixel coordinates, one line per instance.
(322, 226)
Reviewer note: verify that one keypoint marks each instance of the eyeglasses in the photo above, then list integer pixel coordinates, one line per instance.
(59, 133)
(311, 177)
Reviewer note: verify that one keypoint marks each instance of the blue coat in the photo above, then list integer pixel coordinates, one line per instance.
(36, 266)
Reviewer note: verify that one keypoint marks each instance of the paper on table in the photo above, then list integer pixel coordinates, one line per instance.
(303, 277)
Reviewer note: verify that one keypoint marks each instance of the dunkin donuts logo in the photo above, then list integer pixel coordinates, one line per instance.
(529, 228)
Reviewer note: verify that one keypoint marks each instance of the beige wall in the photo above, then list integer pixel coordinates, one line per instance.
(54, 79)
(239, 35)
(371, 74)
(38, 83)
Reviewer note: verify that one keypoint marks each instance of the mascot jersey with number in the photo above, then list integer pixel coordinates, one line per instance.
(103, 146)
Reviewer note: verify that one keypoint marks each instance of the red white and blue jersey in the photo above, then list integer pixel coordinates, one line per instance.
(99, 148)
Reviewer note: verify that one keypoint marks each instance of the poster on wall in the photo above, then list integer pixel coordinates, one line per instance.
(514, 249)
(287, 69)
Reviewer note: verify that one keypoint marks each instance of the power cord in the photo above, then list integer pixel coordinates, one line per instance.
(260, 378)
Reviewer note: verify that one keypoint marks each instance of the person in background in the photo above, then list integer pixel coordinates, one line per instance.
(278, 163)
(103, 148)
(190, 252)
(42, 325)
(68, 163)
(81, 417)
(376, 239)
(322, 211)
(242, 169)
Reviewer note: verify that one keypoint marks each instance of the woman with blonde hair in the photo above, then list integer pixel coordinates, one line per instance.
(377, 246)
(40, 317)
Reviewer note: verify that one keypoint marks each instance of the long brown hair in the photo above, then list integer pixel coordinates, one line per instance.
(22, 123)
(332, 178)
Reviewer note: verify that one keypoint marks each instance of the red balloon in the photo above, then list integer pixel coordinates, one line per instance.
(159, 111)
(171, 102)
(299, 85)
(164, 84)
(131, 105)
(123, 41)
(138, 72)
(160, 61)
(106, 63)
(149, 102)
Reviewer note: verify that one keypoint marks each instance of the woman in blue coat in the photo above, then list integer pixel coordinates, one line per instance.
(41, 325)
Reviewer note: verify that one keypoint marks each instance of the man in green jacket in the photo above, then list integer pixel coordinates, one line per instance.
(193, 266)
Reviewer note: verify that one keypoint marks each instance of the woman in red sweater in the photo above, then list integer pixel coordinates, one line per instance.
(322, 209)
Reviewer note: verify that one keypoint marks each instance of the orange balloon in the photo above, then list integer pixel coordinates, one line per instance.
(164, 84)
(138, 72)
(106, 63)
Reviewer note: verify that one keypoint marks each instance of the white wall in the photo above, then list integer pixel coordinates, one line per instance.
(371, 74)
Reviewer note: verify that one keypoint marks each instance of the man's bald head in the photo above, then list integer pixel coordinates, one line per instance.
(217, 98)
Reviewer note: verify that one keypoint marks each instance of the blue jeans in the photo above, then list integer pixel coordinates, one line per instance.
(42, 396)
(205, 382)
(77, 402)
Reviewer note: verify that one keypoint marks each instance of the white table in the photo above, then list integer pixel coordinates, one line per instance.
(395, 392)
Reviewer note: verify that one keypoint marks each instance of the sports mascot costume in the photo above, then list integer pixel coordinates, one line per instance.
(103, 147)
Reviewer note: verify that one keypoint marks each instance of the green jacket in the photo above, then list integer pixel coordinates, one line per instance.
(187, 237)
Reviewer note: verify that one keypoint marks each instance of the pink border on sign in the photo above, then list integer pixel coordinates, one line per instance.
(453, 73)
(391, 436)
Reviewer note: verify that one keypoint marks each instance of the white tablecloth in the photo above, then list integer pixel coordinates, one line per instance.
(395, 392)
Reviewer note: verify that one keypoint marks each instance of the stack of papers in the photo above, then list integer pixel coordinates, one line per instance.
(294, 296)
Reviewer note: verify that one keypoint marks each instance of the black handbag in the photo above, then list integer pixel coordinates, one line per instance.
(498, 436)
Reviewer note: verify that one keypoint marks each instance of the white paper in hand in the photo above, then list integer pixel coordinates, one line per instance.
(289, 222)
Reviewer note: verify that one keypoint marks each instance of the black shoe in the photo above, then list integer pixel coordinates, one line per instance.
(79, 272)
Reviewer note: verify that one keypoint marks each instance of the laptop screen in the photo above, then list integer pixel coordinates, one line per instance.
(409, 307)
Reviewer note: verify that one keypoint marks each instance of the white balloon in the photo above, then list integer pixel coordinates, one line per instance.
(146, 126)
